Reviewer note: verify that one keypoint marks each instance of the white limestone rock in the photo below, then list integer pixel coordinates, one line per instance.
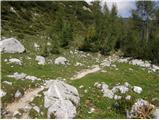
(11, 45)
(49, 44)
(98, 85)
(16, 113)
(33, 78)
(137, 89)
(154, 68)
(81, 86)
(18, 94)
(40, 59)
(17, 75)
(2, 93)
(36, 45)
(123, 60)
(62, 109)
(15, 61)
(13, 10)
(123, 89)
(7, 82)
(107, 92)
(36, 108)
(85, 91)
(91, 110)
(117, 97)
(64, 100)
(114, 65)
(5, 60)
(126, 84)
(61, 60)
(86, 8)
(106, 63)
(156, 113)
(128, 97)
(78, 64)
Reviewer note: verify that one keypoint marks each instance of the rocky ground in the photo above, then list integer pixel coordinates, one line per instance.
(75, 84)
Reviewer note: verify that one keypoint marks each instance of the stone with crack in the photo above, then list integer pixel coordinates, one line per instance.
(64, 100)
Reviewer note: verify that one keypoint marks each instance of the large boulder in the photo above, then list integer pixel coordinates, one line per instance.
(40, 59)
(61, 60)
(61, 99)
(11, 45)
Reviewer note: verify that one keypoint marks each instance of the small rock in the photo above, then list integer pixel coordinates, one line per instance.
(81, 86)
(103, 71)
(85, 91)
(61, 60)
(48, 43)
(123, 60)
(17, 75)
(18, 94)
(33, 78)
(5, 60)
(29, 58)
(36, 45)
(126, 84)
(27, 107)
(36, 108)
(2, 93)
(106, 63)
(116, 97)
(128, 97)
(137, 89)
(16, 113)
(98, 85)
(40, 59)
(114, 65)
(78, 64)
(9, 83)
(91, 110)
(130, 69)
(15, 60)
(156, 113)
(42, 113)
(123, 89)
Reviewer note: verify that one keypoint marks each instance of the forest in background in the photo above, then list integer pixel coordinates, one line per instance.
(85, 27)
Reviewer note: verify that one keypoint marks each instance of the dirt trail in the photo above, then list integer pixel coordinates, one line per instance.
(31, 93)
(86, 72)
(24, 101)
